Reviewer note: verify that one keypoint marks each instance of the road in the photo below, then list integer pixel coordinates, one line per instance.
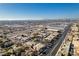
(51, 49)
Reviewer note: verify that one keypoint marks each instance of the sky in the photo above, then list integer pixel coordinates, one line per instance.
(37, 11)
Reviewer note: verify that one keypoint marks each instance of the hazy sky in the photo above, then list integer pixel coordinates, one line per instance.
(38, 11)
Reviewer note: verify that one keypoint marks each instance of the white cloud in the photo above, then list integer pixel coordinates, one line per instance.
(21, 18)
